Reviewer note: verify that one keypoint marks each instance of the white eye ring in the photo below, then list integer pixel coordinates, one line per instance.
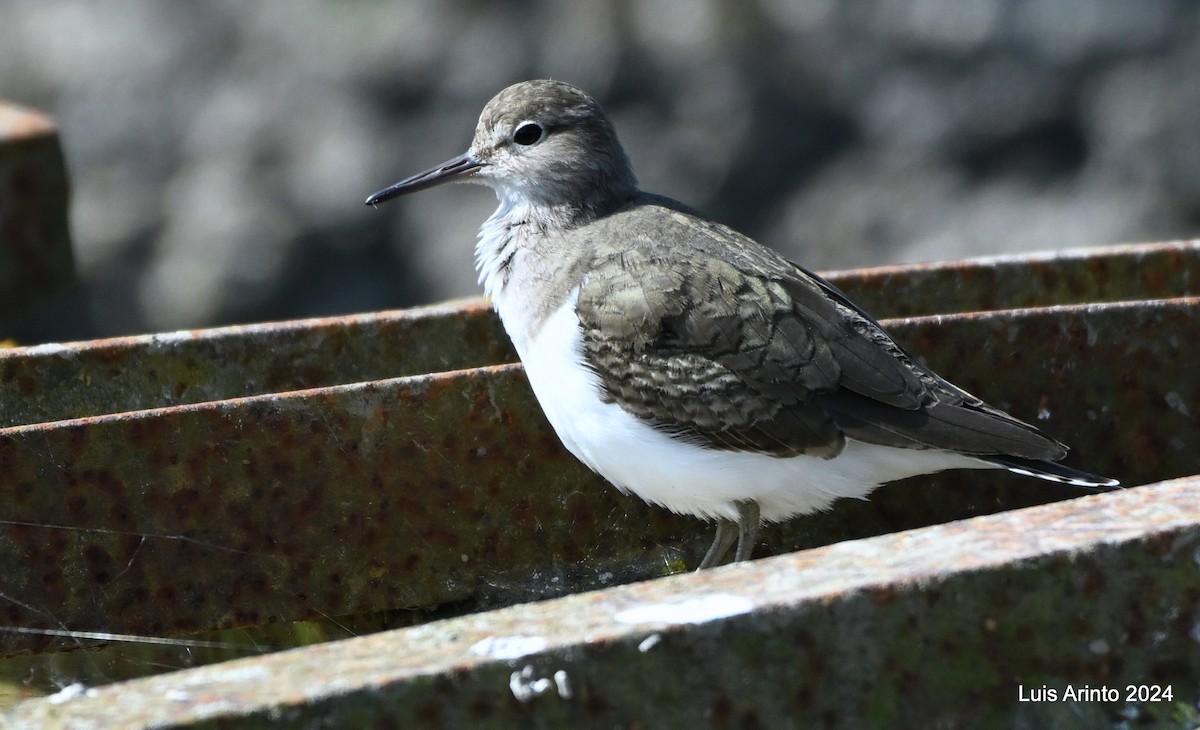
(528, 133)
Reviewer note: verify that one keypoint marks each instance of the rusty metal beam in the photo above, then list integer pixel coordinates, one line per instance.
(35, 240)
(73, 380)
(1073, 276)
(450, 487)
(946, 626)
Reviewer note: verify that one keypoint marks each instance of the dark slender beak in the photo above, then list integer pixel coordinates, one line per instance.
(449, 171)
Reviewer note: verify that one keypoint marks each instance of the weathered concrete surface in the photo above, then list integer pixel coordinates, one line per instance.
(946, 626)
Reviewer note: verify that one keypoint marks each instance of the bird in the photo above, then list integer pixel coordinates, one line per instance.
(688, 364)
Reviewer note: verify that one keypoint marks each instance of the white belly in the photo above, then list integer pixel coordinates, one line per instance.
(682, 477)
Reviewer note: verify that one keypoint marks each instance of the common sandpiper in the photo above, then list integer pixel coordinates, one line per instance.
(686, 363)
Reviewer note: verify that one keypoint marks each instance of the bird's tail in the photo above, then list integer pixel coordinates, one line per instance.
(1052, 472)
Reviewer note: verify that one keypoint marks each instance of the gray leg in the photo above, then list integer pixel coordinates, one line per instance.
(726, 534)
(748, 522)
(745, 531)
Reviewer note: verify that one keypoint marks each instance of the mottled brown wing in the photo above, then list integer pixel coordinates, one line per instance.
(718, 340)
(730, 355)
(949, 418)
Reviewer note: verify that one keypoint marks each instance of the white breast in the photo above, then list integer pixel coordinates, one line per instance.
(680, 476)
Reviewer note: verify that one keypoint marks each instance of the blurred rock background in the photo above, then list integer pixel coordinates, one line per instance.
(220, 151)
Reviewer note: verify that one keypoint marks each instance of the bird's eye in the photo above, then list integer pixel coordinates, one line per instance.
(528, 133)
